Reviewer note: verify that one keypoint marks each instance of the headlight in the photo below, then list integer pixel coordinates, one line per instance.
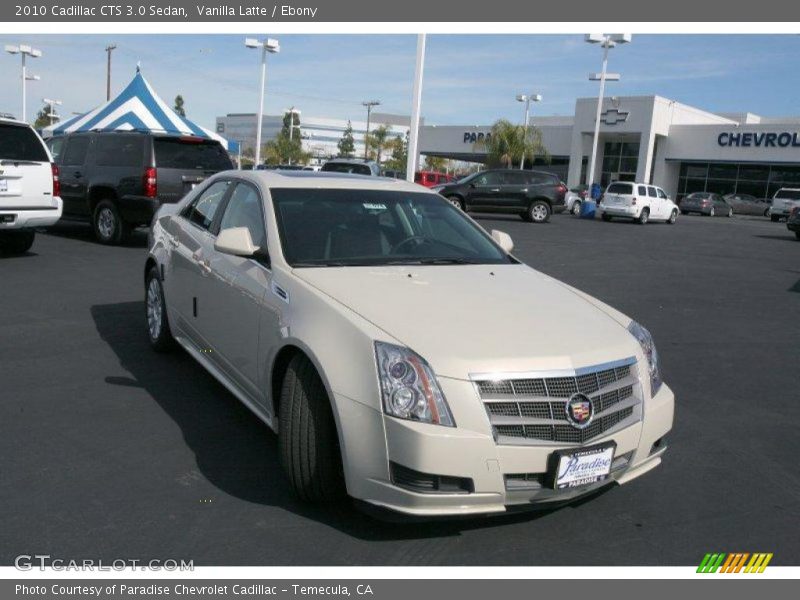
(409, 387)
(648, 346)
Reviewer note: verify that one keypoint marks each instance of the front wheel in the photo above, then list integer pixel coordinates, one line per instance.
(16, 242)
(109, 228)
(309, 444)
(673, 217)
(457, 202)
(644, 216)
(158, 330)
(576, 208)
(538, 212)
(712, 212)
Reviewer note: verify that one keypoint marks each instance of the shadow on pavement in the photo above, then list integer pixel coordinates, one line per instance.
(234, 450)
(78, 230)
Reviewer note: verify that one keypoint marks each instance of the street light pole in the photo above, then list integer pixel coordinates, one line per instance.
(607, 42)
(273, 47)
(369, 104)
(109, 49)
(527, 99)
(416, 106)
(25, 51)
(52, 115)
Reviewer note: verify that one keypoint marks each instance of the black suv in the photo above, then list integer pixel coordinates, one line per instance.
(534, 195)
(118, 179)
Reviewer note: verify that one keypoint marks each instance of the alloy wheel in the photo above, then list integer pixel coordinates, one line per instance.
(155, 308)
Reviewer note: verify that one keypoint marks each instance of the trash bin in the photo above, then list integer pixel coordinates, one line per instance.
(588, 208)
(595, 191)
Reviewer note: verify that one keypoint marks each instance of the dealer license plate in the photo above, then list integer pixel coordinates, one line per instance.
(3, 185)
(584, 466)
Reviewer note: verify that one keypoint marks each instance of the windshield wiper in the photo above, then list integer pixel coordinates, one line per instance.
(434, 261)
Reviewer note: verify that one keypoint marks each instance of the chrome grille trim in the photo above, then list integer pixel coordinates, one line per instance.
(530, 409)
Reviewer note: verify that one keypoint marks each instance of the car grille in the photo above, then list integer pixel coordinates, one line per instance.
(532, 410)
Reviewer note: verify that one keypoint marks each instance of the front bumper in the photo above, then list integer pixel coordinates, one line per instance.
(28, 218)
(470, 452)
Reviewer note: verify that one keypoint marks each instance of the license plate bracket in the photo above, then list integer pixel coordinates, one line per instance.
(579, 467)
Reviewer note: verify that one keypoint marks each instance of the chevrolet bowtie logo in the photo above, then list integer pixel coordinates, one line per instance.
(613, 116)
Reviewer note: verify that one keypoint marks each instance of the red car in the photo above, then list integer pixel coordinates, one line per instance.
(432, 178)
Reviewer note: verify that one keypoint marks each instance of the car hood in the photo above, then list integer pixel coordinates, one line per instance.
(471, 319)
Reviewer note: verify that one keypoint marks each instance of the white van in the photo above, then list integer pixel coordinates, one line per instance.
(638, 201)
(30, 194)
(783, 202)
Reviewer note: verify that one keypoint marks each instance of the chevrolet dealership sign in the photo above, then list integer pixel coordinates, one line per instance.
(783, 139)
(470, 137)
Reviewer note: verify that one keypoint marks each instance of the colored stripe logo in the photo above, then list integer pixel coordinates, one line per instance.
(737, 562)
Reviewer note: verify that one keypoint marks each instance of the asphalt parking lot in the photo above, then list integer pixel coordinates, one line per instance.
(112, 451)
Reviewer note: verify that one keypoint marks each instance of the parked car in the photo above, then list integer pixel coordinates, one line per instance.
(641, 202)
(29, 186)
(356, 166)
(745, 204)
(533, 195)
(280, 168)
(784, 200)
(334, 308)
(793, 222)
(432, 178)
(706, 203)
(117, 179)
(573, 202)
(394, 174)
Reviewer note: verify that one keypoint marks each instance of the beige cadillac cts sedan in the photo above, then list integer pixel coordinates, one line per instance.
(402, 354)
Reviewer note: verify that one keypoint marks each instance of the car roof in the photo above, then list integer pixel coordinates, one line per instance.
(324, 180)
(7, 121)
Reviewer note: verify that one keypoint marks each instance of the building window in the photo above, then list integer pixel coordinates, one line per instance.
(620, 161)
(759, 180)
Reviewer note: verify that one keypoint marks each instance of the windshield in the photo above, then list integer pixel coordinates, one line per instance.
(176, 153)
(18, 142)
(358, 169)
(788, 194)
(340, 227)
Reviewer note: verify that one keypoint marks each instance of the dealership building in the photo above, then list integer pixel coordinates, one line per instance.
(653, 139)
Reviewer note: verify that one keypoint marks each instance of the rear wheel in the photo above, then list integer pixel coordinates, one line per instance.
(576, 208)
(156, 313)
(644, 216)
(309, 444)
(673, 217)
(109, 228)
(538, 212)
(16, 242)
(730, 213)
(457, 202)
(712, 212)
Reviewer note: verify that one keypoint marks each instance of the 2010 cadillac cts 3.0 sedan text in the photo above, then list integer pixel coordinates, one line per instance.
(402, 354)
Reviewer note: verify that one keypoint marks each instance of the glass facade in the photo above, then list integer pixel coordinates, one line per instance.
(759, 180)
(620, 160)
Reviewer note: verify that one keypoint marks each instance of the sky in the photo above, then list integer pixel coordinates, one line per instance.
(469, 79)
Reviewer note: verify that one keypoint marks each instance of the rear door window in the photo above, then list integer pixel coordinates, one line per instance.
(20, 142)
(620, 188)
(77, 148)
(190, 154)
(642, 190)
(123, 150)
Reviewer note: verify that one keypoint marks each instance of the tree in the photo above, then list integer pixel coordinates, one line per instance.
(43, 118)
(435, 163)
(347, 145)
(178, 108)
(291, 119)
(506, 144)
(399, 157)
(379, 141)
(287, 147)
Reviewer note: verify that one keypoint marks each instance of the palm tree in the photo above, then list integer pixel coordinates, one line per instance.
(379, 141)
(507, 143)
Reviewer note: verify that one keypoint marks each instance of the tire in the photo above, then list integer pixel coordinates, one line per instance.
(576, 208)
(730, 213)
(766, 213)
(457, 202)
(309, 444)
(672, 217)
(155, 312)
(774, 218)
(109, 228)
(712, 212)
(538, 212)
(644, 216)
(16, 242)
(605, 217)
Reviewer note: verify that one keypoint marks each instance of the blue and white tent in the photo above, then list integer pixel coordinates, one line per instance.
(136, 108)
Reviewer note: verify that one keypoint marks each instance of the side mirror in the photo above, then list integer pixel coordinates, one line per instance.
(235, 241)
(503, 240)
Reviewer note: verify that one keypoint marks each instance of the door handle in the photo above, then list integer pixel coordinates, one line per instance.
(494, 190)
(204, 265)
